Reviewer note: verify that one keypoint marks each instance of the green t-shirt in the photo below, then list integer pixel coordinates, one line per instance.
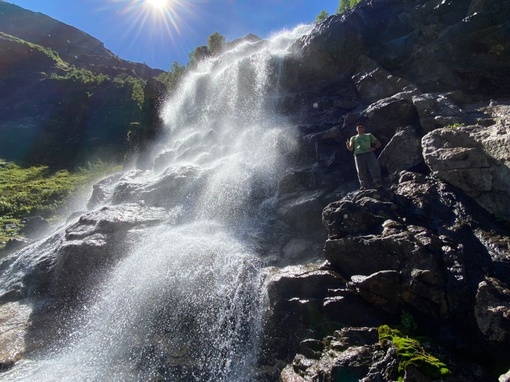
(363, 143)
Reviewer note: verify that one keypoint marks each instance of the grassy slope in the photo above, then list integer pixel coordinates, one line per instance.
(38, 190)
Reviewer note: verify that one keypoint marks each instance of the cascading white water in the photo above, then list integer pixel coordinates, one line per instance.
(186, 303)
(183, 299)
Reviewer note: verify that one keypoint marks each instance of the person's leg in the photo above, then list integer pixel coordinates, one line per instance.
(361, 169)
(374, 169)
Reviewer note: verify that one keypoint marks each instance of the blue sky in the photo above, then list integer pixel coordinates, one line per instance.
(140, 31)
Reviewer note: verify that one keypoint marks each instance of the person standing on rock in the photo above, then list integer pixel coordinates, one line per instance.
(364, 144)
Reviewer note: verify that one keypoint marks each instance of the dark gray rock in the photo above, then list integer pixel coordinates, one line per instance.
(403, 151)
(492, 310)
(67, 263)
(352, 354)
(373, 82)
(421, 260)
(386, 115)
(439, 109)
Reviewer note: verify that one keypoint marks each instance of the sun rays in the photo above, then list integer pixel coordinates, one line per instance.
(159, 16)
(157, 4)
(153, 28)
(161, 13)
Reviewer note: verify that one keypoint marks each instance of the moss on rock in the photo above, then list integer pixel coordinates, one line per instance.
(411, 352)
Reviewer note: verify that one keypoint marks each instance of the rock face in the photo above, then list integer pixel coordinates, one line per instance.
(429, 251)
(476, 160)
(398, 67)
(411, 248)
(423, 43)
(62, 271)
(431, 244)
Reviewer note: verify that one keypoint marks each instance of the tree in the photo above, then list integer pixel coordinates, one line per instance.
(173, 77)
(216, 43)
(346, 5)
(323, 15)
(343, 6)
(200, 53)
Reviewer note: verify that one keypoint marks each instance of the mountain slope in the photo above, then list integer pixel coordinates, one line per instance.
(73, 45)
(64, 98)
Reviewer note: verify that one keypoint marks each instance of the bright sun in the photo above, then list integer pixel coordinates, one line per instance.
(158, 4)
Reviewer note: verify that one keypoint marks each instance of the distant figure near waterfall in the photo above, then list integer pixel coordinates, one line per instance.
(364, 144)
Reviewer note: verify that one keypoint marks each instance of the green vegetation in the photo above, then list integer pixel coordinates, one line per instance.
(39, 190)
(497, 49)
(174, 75)
(454, 125)
(346, 5)
(59, 63)
(323, 15)
(215, 45)
(137, 85)
(199, 54)
(343, 6)
(411, 352)
(84, 76)
(66, 71)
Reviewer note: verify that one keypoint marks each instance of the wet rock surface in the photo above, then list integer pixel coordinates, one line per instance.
(421, 253)
(14, 323)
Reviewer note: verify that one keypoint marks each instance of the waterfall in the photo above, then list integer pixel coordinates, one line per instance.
(187, 302)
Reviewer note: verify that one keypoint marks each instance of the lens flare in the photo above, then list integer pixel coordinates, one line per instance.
(157, 4)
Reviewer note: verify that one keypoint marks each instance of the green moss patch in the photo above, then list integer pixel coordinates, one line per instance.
(411, 352)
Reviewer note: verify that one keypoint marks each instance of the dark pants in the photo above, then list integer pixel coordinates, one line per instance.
(367, 163)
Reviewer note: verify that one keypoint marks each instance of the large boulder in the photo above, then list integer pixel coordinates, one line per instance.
(476, 159)
(403, 151)
(386, 115)
(492, 310)
(69, 261)
(439, 109)
(373, 82)
(412, 263)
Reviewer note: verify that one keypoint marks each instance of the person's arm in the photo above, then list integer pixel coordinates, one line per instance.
(374, 144)
(349, 145)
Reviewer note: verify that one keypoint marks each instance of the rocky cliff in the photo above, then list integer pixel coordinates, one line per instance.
(430, 80)
(428, 254)
(65, 99)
